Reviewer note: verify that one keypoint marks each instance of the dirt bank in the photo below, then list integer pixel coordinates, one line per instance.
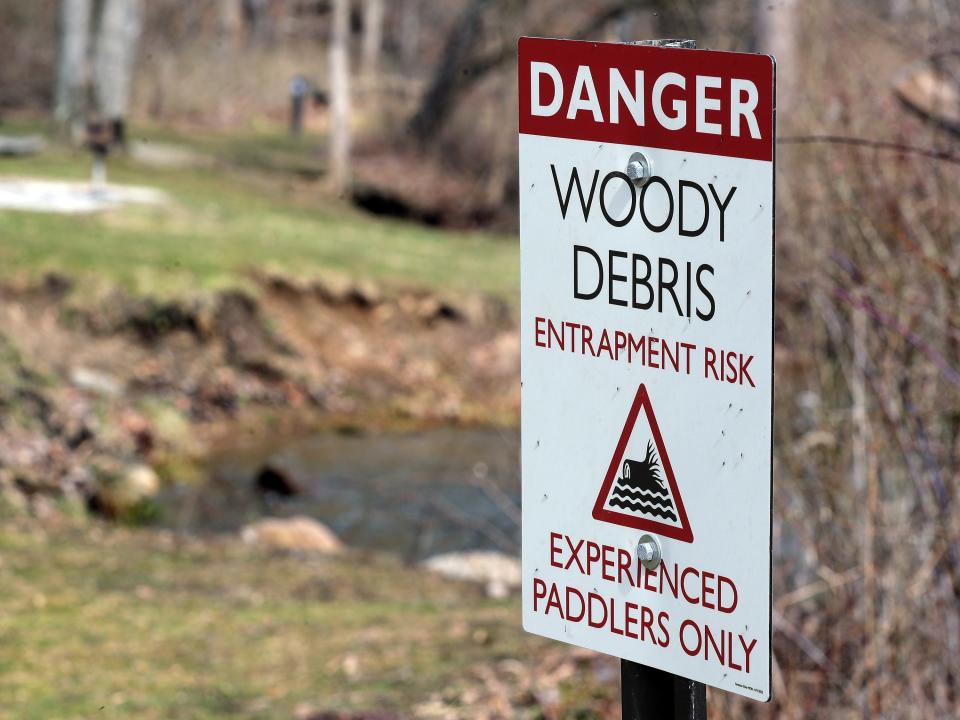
(92, 385)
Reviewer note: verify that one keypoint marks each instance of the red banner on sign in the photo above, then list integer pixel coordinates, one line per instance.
(701, 101)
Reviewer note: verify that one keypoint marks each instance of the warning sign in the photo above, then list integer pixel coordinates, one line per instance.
(646, 233)
(645, 495)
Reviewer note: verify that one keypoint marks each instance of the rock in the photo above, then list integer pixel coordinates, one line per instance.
(484, 309)
(338, 290)
(499, 573)
(273, 479)
(96, 382)
(296, 533)
(282, 284)
(332, 290)
(249, 344)
(119, 492)
(432, 308)
(428, 308)
(365, 294)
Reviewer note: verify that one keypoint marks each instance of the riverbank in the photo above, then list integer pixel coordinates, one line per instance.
(94, 385)
(247, 304)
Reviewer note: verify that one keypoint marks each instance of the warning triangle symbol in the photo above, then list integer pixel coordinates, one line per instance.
(640, 490)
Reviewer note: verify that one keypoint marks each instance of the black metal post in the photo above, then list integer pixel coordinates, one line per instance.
(650, 694)
(647, 693)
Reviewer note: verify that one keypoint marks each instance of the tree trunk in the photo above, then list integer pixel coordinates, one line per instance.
(73, 65)
(257, 19)
(120, 26)
(682, 19)
(438, 101)
(775, 30)
(372, 35)
(231, 24)
(340, 97)
(410, 33)
(461, 66)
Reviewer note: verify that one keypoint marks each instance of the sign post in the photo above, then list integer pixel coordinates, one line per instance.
(646, 692)
(646, 229)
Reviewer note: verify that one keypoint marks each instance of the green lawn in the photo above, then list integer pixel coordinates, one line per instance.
(223, 222)
(99, 622)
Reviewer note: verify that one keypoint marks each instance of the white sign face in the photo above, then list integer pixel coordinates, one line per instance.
(647, 354)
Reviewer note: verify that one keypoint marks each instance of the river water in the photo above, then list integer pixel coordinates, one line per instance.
(414, 494)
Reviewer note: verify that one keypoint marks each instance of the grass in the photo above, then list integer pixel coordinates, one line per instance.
(265, 150)
(115, 623)
(223, 222)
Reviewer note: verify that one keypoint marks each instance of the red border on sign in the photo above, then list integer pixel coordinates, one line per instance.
(569, 55)
(684, 533)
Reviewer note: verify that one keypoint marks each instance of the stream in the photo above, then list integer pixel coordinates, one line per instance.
(415, 494)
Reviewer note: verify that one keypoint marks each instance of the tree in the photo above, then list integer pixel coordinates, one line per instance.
(230, 24)
(372, 35)
(72, 66)
(461, 44)
(256, 16)
(340, 96)
(467, 56)
(409, 31)
(775, 32)
(120, 27)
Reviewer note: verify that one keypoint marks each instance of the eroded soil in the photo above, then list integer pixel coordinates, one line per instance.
(95, 382)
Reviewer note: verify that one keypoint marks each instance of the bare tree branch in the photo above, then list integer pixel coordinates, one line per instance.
(874, 144)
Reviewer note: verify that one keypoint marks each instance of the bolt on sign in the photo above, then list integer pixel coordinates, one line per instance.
(646, 228)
